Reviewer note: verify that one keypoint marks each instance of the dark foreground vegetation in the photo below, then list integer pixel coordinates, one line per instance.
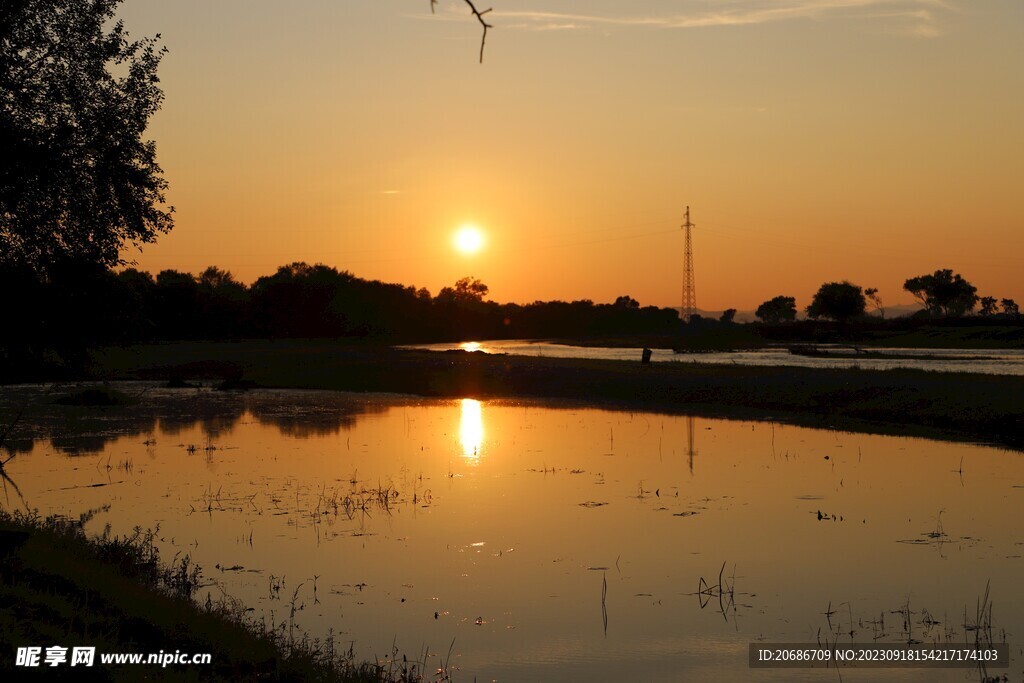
(983, 408)
(58, 587)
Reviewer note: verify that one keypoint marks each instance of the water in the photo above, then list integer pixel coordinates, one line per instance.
(987, 361)
(503, 521)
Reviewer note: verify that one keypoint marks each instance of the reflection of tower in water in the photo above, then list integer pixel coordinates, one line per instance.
(690, 450)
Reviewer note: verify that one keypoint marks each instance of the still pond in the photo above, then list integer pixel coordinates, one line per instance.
(539, 542)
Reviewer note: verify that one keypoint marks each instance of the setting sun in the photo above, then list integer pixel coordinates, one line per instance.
(469, 239)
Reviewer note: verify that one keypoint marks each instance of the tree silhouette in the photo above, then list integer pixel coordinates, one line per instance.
(140, 296)
(78, 180)
(177, 310)
(626, 301)
(839, 301)
(223, 302)
(871, 294)
(778, 310)
(988, 306)
(1010, 308)
(301, 300)
(943, 293)
(466, 290)
(728, 316)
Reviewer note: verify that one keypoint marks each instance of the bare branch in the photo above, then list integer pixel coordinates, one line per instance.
(479, 17)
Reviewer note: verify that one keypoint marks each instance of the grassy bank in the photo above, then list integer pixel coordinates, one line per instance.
(943, 405)
(59, 587)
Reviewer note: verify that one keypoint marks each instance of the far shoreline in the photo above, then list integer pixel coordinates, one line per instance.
(949, 406)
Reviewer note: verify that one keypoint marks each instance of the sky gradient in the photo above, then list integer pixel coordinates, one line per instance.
(815, 140)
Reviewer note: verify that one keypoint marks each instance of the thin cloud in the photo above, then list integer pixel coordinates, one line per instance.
(913, 17)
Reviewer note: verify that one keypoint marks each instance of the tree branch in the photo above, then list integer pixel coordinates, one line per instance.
(479, 17)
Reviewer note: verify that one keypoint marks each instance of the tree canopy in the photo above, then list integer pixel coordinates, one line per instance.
(777, 310)
(943, 293)
(467, 289)
(839, 301)
(78, 180)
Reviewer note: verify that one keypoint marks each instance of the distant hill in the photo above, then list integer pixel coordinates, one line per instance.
(900, 311)
(741, 316)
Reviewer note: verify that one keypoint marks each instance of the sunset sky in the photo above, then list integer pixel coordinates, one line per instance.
(815, 140)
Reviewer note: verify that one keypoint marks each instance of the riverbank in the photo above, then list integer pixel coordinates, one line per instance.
(899, 333)
(60, 588)
(972, 407)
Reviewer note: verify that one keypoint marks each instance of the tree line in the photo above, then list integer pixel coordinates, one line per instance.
(83, 303)
(943, 294)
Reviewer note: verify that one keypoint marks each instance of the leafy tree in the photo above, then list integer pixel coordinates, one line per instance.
(177, 313)
(778, 310)
(471, 288)
(728, 316)
(466, 290)
(78, 180)
(626, 301)
(1010, 307)
(988, 306)
(839, 301)
(215, 279)
(301, 300)
(943, 293)
(140, 294)
(223, 301)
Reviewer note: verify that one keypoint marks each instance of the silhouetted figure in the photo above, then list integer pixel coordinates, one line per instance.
(646, 358)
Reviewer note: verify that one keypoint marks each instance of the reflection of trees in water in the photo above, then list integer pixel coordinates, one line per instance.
(304, 418)
(17, 445)
(76, 430)
(81, 444)
(213, 420)
(86, 431)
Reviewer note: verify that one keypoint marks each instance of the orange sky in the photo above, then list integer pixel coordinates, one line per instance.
(815, 140)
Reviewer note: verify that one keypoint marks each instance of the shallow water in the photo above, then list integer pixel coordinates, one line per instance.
(986, 361)
(498, 525)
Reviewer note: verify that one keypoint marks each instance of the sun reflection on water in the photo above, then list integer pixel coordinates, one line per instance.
(471, 428)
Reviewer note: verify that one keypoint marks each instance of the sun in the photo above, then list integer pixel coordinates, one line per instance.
(469, 239)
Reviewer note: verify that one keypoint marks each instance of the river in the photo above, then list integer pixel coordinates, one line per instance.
(987, 361)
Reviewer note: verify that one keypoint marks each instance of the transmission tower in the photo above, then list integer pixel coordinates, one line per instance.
(689, 306)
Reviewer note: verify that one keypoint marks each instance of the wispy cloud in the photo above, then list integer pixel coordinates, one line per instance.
(911, 17)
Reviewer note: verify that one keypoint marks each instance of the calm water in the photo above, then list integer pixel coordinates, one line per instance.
(504, 521)
(987, 361)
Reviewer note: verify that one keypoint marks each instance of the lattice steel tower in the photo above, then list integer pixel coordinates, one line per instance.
(689, 306)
